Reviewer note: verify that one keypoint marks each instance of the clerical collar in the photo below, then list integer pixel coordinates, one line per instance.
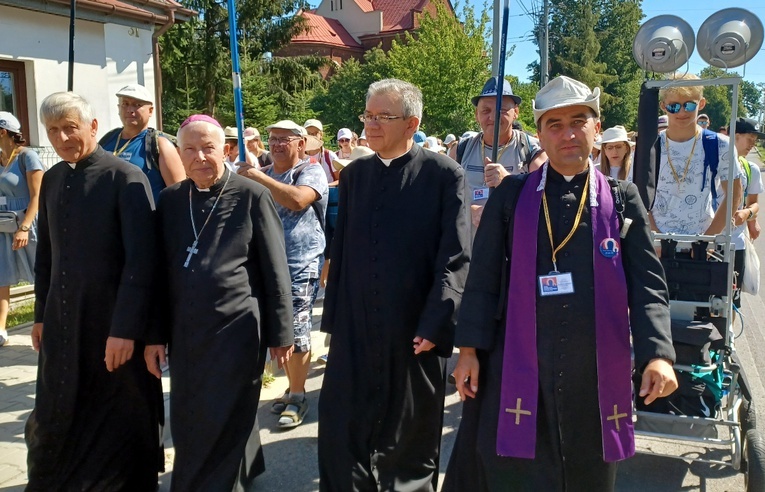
(557, 176)
(88, 159)
(388, 162)
(216, 186)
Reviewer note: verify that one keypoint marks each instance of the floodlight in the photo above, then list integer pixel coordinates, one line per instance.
(663, 44)
(729, 38)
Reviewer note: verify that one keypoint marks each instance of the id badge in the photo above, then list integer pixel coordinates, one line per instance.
(555, 284)
(3, 201)
(480, 194)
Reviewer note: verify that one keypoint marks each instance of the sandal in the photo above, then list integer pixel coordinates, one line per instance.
(293, 415)
(280, 404)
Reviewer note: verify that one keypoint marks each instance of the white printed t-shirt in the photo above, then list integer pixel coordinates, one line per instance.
(685, 208)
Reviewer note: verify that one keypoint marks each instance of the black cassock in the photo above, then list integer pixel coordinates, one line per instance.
(398, 264)
(92, 429)
(569, 453)
(232, 302)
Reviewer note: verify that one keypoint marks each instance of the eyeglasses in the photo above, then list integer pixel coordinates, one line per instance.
(379, 118)
(618, 146)
(344, 140)
(675, 107)
(282, 140)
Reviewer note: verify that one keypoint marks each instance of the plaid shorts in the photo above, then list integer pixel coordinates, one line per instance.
(304, 290)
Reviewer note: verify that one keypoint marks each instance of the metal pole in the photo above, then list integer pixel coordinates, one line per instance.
(236, 78)
(72, 14)
(496, 38)
(500, 78)
(544, 49)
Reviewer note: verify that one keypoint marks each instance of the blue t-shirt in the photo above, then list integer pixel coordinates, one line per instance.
(134, 151)
(303, 235)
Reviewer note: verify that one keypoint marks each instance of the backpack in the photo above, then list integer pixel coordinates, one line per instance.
(711, 162)
(152, 144)
(525, 148)
(748, 171)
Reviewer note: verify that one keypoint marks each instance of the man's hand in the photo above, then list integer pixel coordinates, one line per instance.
(476, 211)
(247, 170)
(281, 354)
(37, 330)
(493, 173)
(466, 373)
(155, 358)
(740, 216)
(118, 352)
(422, 345)
(754, 229)
(659, 380)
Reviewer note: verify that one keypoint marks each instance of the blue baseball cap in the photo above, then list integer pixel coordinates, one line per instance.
(490, 90)
(419, 138)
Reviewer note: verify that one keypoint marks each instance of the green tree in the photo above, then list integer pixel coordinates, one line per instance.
(447, 59)
(196, 59)
(751, 97)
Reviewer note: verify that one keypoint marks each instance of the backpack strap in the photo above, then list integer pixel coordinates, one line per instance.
(748, 171)
(711, 162)
(109, 135)
(461, 146)
(152, 149)
(619, 204)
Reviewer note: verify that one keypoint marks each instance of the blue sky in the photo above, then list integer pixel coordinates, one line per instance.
(695, 12)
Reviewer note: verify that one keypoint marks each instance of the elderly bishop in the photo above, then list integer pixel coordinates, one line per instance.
(228, 296)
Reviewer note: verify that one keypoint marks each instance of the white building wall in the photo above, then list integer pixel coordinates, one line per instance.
(107, 57)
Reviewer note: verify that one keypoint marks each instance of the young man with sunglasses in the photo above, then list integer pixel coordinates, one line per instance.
(690, 196)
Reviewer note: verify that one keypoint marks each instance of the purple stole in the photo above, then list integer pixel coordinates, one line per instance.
(516, 432)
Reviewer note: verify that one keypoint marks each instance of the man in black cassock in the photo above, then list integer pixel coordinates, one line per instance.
(95, 423)
(544, 368)
(228, 297)
(399, 259)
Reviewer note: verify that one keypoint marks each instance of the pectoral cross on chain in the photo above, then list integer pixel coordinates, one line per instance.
(616, 416)
(192, 251)
(517, 411)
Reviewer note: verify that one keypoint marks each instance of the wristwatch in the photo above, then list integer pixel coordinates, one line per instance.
(24, 228)
(751, 214)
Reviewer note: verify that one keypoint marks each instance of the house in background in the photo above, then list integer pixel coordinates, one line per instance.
(343, 29)
(115, 45)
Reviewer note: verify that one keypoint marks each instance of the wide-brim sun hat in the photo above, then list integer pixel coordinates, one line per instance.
(563, 92)
(616, 134)
(231, 132)
(360, 151)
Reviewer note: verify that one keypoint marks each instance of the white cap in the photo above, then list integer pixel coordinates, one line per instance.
(288, 125)
(136, 91)
(432, 143)
(9, 122)
(314, 123)
(357, 152)
(363, 135)
(449, 139)
(250, 132)
(562, 92)
(231, 132)
(344, 133)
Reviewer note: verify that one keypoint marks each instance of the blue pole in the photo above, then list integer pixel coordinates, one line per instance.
(500, 78)
(236, 78)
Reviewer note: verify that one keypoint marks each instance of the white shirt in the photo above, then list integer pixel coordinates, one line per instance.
(684, 208)
(753, 188)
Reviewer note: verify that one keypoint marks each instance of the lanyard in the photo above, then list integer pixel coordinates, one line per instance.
(573, 228)
(687, 163)
(117, 143)
(10, 160)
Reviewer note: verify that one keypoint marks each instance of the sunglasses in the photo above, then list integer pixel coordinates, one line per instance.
(343, 140)
(675, 107)
(703, 122)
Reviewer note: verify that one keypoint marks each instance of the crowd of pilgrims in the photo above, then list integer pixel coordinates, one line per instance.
(210, 433)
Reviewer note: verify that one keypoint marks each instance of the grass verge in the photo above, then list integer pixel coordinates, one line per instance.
(23, 313)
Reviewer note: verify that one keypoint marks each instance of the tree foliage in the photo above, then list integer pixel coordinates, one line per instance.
(447, 60)
(196, 58)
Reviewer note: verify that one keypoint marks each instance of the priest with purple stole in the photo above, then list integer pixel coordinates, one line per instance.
(563, 272)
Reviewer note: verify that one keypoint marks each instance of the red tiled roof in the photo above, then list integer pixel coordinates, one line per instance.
(323, 30)
(397, 14)
(126, 8)
(365, 5)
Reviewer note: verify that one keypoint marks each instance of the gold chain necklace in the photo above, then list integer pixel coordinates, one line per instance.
(678, 180)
